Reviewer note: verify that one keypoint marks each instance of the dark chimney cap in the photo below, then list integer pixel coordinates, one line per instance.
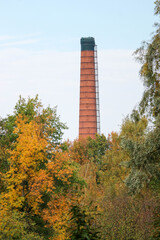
(87, 44)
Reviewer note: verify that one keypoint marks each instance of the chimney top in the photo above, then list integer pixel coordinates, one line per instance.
(87, 44)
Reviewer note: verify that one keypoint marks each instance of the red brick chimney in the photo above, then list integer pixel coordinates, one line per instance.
(89, 123)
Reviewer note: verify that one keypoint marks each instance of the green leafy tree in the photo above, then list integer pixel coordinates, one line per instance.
(82, 227)
(149, 55)
(16, 225)
(144, 155)
(89, 149)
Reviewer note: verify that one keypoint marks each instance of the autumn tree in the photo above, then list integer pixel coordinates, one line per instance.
(86, 149)
(33, 109)
(144, 155)
(40, 182)
(124, 216)
(88, 153)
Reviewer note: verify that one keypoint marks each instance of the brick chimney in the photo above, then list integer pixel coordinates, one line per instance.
(89, 123)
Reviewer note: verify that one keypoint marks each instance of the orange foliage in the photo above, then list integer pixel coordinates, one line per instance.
(32, 173)
(79, 151)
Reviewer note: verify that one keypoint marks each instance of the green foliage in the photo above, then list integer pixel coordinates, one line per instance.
(156, 232)
(134, 127)
(157, 7)
(144, 151)
(144, 163)
(97, 147)
(17, 226)
(82, 225)
(89, 149)
(149, 55)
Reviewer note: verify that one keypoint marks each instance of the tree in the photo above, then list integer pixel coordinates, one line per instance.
(113, 171)
(15, 225)
(149, 55)
(41, 180)
(125, 216)
(88, 153)
(82, 226)
(89, 149)
(145, 154)
(33, 110)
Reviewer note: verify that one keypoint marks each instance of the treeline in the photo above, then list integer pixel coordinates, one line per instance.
(102, 188)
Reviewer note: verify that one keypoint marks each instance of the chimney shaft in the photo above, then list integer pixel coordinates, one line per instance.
(88, 90)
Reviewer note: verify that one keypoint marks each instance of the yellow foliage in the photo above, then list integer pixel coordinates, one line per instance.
(32, 173)
(115, 173)
(134, 131)
(144, 69)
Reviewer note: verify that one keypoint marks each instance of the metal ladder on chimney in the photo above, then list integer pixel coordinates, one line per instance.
(97, 89)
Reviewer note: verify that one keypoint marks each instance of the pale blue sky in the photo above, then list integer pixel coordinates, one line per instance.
(60, 24)
(40, 54)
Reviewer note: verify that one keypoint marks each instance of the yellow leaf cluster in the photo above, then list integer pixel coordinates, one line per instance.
(32, 173)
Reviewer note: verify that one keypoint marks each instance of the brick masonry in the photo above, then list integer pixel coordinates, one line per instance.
(87, 112)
